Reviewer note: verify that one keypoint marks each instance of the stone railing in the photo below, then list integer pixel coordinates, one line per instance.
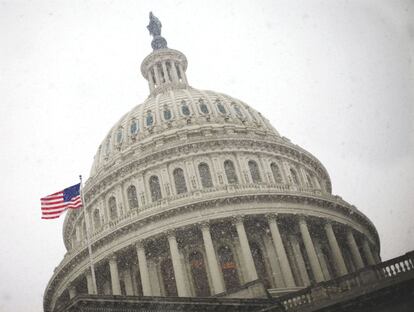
(387, 270)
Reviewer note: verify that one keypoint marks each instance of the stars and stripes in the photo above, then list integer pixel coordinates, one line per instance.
(57, 203)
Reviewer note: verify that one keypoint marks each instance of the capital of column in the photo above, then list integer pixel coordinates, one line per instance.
(301, 219)
(237, 219)
(171, 234)
(204, 225)
(271, 216)
(140, 244)
(112, 258)
(327, 223)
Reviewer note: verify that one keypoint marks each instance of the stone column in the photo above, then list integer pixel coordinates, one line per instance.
(72, 291)
(250, 268)
(336, 251)
(157, 75)
(177, 265)
(128, 283)
(143, 269)
(212, 262)
(367, 252)
(89, 283)
(174, 73)
(301, 266)
(183, 77)
(113, 267)
(166, 74)
(310, 250)
(356, 256)
(281, 252)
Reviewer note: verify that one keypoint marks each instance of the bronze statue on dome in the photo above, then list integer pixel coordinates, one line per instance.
(154, 28)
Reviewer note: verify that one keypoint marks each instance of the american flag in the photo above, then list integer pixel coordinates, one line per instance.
(57, 203)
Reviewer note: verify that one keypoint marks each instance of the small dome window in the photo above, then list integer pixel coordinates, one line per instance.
(238, 111)
(119, 136)
(149, 119)
(221, 107)
(203, 106)
(167, 114)
(134, 127)
(185, 109)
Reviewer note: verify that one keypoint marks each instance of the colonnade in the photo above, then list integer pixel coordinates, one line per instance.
(303, 249)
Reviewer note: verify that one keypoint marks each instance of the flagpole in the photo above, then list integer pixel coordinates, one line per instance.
(95, 289)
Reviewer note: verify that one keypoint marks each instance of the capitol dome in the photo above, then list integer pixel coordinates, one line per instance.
(195, 194)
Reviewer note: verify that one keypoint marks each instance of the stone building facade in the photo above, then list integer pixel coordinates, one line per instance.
(193, 193)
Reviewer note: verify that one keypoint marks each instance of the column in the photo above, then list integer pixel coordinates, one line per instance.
(212, 262)
(128, 283)
(321, 258)
(177, 265)
(113, 267)
(310, 250)
(89, 283)
(336, 251)
(166, 74)
(297, 253)
(157, 75)
(143, 269)
(356, 256)
(281, 252)
(183, 77)
(250, 268)
(367, 252)
(72, 291)
(174, 73)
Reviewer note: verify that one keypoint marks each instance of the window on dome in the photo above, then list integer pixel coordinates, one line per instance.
(203, 106)
(179, 180)
(198, 271)
(277, 176)
(205, 175)
(309, 180)
(96, 219)
(260, 265)
(185, 109)
(230, 172)
(167, 114)
(254, 171)
(108, 146)
(155, 188)
(150, 119)
(221, 107)
(168, 278)
(119, 136)
(228, 267)
(132, 197)
(113, 213)
(294, 176)
(238, 111)
(134, 128)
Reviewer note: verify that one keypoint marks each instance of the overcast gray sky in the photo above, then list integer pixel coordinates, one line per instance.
(336, 77)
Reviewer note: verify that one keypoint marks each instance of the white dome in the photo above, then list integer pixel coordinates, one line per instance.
(165, 115)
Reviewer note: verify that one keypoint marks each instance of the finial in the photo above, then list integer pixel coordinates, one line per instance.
(154, 28)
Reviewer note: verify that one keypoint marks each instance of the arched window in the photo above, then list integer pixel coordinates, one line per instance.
(221, 107)
(228, 267)
(167, 114)
(277, 176)
(205, 175)
(203, 106)
(119, 136)
(260, 265)
(254, 171)
(155, 189)
(113, 213)
(238, 111)
(132, 197)
(168, 278)
(309, 180)
(96, 219)
(198, 271)
(185, 109)
(230, 172)
(179, 180)
(294, 176)
(134, 127)
(149, 119)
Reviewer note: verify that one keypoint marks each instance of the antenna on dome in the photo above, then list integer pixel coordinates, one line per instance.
(154, 28)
